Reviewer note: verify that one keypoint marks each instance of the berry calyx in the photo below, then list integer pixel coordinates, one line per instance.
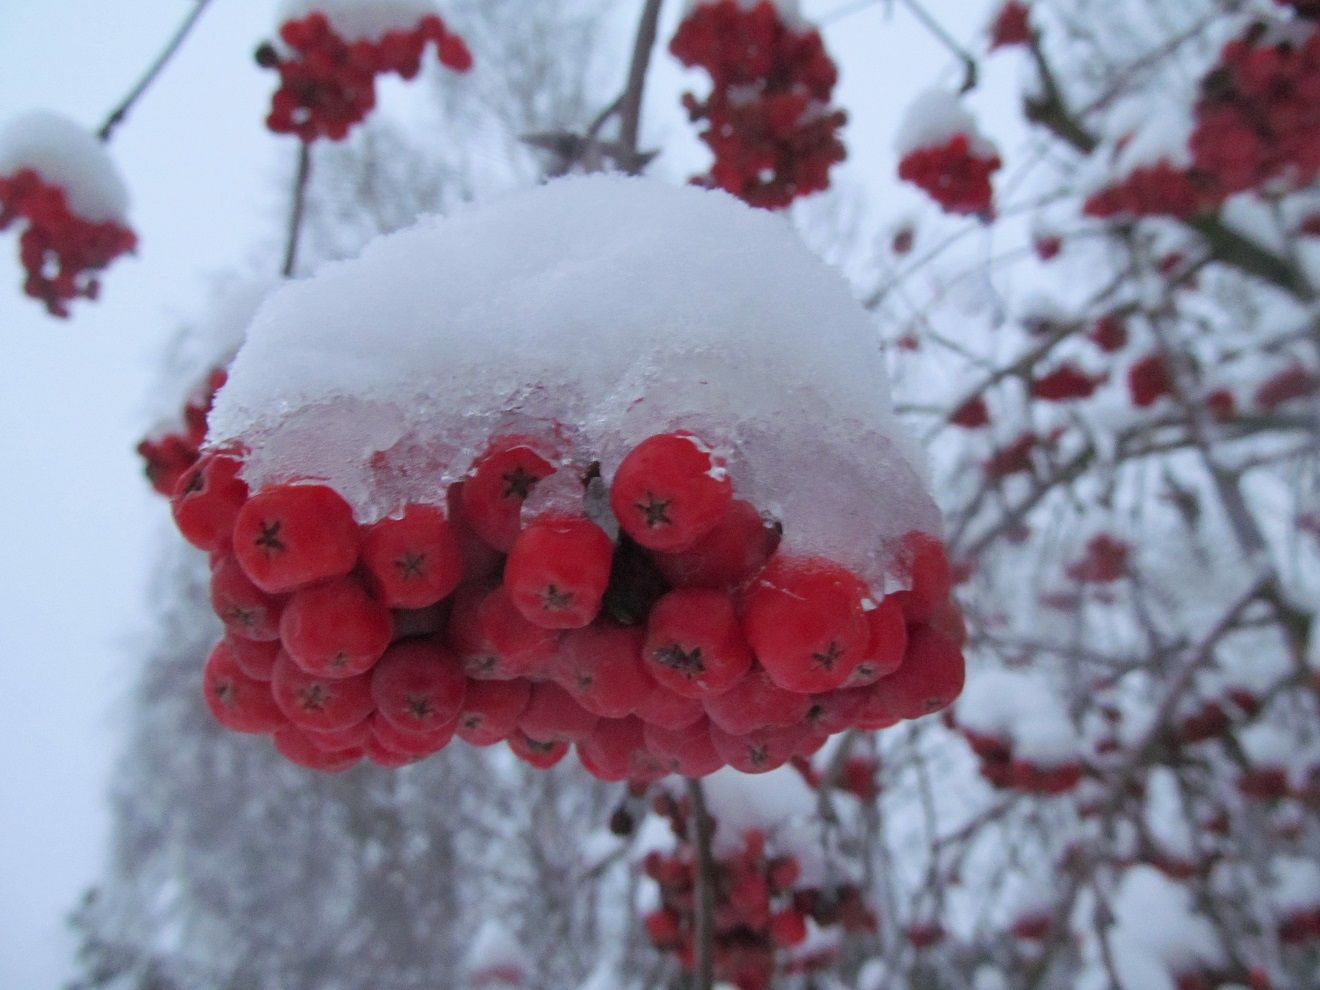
(496, 487)
(558, 570)
(237, 701)
(418, 686)
(207, 500)
(335, 629)
(670, 491)
(694, 643)
(413, 561)
(287, 536)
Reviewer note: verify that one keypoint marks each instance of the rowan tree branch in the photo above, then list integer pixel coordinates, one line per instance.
(704, 894)
(297, 208)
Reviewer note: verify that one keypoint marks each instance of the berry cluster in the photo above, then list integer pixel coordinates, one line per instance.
(761, 912)
(1011, 26)
(1003, 769)
(328, 83)
(768, 116)
(60, 251)
(684, 644)
(955, 173)
(168, 453)
(1159, 189)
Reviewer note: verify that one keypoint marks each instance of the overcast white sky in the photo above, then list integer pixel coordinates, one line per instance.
(81, 526)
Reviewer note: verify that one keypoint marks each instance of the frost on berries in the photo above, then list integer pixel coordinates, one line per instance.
(58, 182)
(584, 568)
(768, 118)
(331, 52)
(942, 152)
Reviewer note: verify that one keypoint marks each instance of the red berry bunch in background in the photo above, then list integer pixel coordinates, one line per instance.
(328, 82)
(762, 907)
(1258, 118)
(1006, 770)
(1157, 189)
(1011, 26)
(61, 251)
(942, 152)
(171, 451)
(652, 623)
(768, 117)
(1306, 8)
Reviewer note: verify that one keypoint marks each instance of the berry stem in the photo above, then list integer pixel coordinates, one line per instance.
(120, 112)
(296, 212)
(630, 104)
(703, 973)
(970, 70)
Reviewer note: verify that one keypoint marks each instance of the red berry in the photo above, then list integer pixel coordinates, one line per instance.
(931, 676)
(415, 560)
(480, 559)
(921, 561)
(322, 703)
(493, 640)
(804, 621)
(418, 685)
(616, 750)
(887, 623)
(601, 666)
(288, 536)
(256, 658)
(729, 555)
(335, 629)
(381, 755)
(835, 711)
(237, 701)
(491, 710)
(755, 702)
(245, 609)
(787, 928)
(670, 491)
(759, 751)
(972, 414)
(414, 744)
(207, 500)
(688, 751)
(668, 710)
(558, 570)
(694, 643)
(334, 740)
(552, 715)
(294, 745)
(541, 755)
(496, 487)
(1148, 380)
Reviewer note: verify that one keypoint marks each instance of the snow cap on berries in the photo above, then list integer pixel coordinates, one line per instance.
(935, 117)
(366, 20)
(593, 312)
(67, 155)
(496, 960)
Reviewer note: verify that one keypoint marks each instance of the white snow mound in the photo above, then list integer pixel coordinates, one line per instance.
(605, 309)
(361, 20)
(1019, 707)
(68, 155)
(934, 118)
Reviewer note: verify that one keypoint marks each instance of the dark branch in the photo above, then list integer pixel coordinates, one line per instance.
(297, 209)
(704, 936)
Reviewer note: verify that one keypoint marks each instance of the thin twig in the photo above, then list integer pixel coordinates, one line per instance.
(630, 104)
(937, 29)
(296, 211)
(120, 113)
(704, 936)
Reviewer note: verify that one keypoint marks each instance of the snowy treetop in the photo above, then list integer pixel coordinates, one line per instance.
(366, 20)
(602, 310)
(68, 155)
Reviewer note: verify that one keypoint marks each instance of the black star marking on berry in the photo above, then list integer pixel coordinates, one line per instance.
(411, 564)
(686, 662)
(237, 615)
(757, 755)
(554, 600)
(829, 657)
(224, 692)
(656, 510)
(313, 698)
(195, 483)
(418, 706)
(269, 540)
(518, 483)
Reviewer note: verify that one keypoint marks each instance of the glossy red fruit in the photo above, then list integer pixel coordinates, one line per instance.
(694, 642)
(541, 755)
(688, 751)
(552, 714)
(923, 564)
(887, 625)
(930, 678)
(616, 750)
(729, 555)
(255, 658)
(497, 485)
(493, 640)
(336, 740)
(237, 701)
(670, 491)
(491, 710)
(558, 570)
(335, 629)
(288, 536)
(413, 561)
(755, 702)
(418, 685)
(601, 667)
(245, 609)
(805, 622)
(663, 708)
(382, 756)
(323, 703)
(479, 558)
(294, 745)
(207, 500)
(414, 744)
(759, 751)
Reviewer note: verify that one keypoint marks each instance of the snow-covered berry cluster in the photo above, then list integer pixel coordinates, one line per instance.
(1011, 26)
(768, 117)
(768, 920)
(171, 450)
(328, 73)
(655, 625)
(57, 180)
(942, 152)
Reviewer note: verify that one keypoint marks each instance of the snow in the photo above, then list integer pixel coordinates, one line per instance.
(1296, 885)
(603, 308)
(495, 948)
(934, 118)
(1019, 707)
(365, 20)
(1145, 954)
(740, 802)
(68, 155)
(790, 11)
